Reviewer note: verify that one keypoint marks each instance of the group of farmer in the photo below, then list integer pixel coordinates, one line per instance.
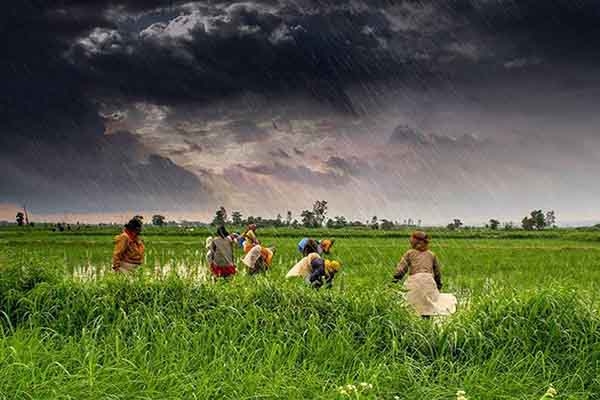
(422, 286)
(313, 267)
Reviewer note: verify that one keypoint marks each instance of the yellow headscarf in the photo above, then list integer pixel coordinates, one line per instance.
(332, 266)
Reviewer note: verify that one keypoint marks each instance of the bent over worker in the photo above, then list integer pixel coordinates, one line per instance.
(128, 253)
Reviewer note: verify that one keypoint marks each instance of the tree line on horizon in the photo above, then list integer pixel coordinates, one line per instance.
(316, 217)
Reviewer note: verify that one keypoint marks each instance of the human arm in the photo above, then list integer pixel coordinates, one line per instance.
(329, 280)
(401, 268)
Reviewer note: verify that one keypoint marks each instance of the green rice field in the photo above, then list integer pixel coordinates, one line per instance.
(70, 329)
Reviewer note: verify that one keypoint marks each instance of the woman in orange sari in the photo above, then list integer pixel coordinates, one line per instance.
(128, 253)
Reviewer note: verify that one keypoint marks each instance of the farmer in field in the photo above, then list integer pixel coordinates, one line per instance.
(128, 253)
(221, 258)
(308, 245)
(258, 259)
(424, 279)
(250, 239)
(315, 270)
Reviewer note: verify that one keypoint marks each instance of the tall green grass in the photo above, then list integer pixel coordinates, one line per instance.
(528, 319)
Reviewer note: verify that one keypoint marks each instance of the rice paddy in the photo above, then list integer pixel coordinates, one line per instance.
(527, 321)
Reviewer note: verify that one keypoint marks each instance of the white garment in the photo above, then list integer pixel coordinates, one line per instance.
(302, 267)
(252, 256)
(424, 296)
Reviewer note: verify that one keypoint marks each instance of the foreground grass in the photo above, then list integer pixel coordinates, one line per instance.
(172, 339)
(527, 320)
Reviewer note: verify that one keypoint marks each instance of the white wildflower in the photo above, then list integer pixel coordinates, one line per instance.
(550, 393)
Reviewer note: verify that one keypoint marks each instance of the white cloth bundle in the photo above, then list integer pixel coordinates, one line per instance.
(424, 296)
(302, 267)
(252, 256)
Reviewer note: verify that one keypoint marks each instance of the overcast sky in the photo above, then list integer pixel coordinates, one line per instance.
(401, 109)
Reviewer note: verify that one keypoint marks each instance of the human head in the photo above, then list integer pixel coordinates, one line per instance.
(311, 247)
(326, 245)
(222, 232)
(134, 225)
(332, 266)
(252, 227)
(419, 240)
(317, 263)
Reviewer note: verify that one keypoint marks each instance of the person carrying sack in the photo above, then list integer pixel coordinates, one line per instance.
(424, 280)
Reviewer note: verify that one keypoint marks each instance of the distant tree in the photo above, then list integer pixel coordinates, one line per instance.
(374, 222)
(536, 220)
(330, 223)
(357, 223)
(320, 211)
(419, 223)
(509, 226)
(551, 219)
(288, 218)
(386, 225)
(539, 219)
(158, 220)
(236, 218)
(278, 221)
(410, 222)
(340, 222)
(308, 219)
(528, 223)
(295, 224)
(20, 218)
(455, 224)
(220, 217)
(494, 224)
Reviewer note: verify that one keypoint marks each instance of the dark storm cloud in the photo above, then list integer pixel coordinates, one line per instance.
(205, 51)
(53, 150)
(61, 58)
